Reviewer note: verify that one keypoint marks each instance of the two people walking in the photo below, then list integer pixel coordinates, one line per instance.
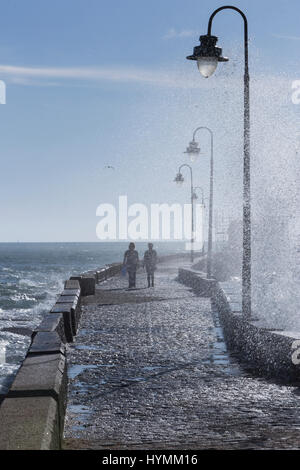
(131, 263)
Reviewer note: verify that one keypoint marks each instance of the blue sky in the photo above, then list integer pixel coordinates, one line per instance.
(93, 83)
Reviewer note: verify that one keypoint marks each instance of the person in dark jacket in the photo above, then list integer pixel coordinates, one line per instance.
(150, 260)
(131, 261)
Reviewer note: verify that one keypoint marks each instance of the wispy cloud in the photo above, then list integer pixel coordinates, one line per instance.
(184, 33)
(22, 74)
(53, 76)
(179, 77)
(284, 36)
(25, 81)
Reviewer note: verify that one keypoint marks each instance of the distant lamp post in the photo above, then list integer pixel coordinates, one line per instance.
(191, 152)
(179, 179)
(207, 56)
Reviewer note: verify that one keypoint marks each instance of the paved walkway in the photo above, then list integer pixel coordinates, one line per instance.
(149, 370)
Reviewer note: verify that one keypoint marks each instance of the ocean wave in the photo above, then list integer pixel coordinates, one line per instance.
(29, 283)
(22, 296)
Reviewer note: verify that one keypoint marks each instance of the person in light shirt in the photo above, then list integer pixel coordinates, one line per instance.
(150, 260)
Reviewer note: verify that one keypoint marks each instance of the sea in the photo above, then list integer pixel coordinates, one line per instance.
(32, 276)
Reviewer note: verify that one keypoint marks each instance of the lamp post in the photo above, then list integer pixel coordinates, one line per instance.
(179, 180)
(193, 151)
(195, 197)
(207, 56)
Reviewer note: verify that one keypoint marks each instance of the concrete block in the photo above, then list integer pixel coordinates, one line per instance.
(53, 322)
(87, 284)
(72, 283)
(68, 292)
(74, 303)
(65, 310)
(67, 299)
(108, 272)
(101, 275)
(113, 269)
(89, 274)
(30, 423)
(46, 342)
(197, 281)
(42, 375)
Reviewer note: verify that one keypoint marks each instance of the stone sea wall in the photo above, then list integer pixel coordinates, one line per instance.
(33, 412)
(269, 352)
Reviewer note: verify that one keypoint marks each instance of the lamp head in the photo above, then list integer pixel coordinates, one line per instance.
(179, 179)
(193, 150)
(207, 55)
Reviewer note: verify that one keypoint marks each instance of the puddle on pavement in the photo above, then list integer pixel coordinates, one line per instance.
(87, 347)
(82, 414)
(79, 409)
(76, 369)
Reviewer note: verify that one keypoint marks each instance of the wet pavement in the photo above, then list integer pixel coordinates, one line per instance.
(150, 370)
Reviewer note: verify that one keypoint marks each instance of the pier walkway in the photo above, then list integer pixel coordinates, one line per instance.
(149, 370)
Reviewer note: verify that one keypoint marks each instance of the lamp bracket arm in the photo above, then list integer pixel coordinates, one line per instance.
(230, 7)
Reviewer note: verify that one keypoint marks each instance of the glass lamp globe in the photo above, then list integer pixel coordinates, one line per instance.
(193, 156)
(207, 65)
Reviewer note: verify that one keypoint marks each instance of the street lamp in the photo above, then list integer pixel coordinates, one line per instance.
(190, 151)
(207, 56)
(179, 180)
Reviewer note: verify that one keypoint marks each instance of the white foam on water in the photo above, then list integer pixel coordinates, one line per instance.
(3, 345)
